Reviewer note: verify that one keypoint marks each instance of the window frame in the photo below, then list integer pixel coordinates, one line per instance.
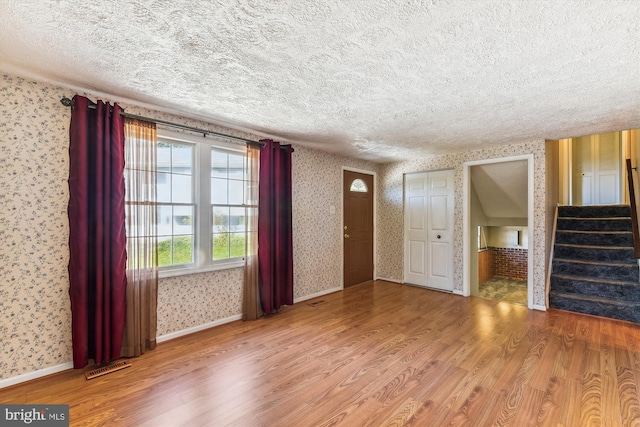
(201, 186)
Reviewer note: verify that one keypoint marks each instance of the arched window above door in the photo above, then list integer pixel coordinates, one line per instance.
(358, 186)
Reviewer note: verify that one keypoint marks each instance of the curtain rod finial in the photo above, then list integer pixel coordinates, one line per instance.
(66, 102)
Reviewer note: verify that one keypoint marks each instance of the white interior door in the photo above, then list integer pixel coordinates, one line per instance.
(440, 230)
(607, 168)
(596, 165)
(583, 174)
(429, 229)
(415, 224)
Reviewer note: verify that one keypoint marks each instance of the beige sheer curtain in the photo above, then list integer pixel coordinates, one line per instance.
(142, 248)
(251, 307)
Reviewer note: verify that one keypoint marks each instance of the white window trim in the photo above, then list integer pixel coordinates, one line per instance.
(201, 195)
(181, 270)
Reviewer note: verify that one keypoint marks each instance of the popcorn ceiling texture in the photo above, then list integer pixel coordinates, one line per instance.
(381, 80)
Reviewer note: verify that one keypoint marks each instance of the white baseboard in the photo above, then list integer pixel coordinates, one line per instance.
(35, 374)
(458, 292)
(69, 365)
(198, 328)
(539, 307)
(390, 280)
(317, 294)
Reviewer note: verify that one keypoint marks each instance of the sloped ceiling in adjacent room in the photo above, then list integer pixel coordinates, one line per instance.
(381, 80)
(502, 188)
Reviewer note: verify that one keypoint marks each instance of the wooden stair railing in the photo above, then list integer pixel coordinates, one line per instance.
(634, 210)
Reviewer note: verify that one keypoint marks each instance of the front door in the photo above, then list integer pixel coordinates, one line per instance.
(358, 227)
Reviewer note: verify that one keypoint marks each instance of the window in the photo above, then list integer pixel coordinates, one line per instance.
(359, 186)
(201, 203)
(175, 183)
(228, 182)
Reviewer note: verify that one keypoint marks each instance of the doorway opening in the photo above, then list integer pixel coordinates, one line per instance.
(498, 238)
(591, 168)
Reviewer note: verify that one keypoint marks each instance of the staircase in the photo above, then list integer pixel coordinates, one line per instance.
(594, 270)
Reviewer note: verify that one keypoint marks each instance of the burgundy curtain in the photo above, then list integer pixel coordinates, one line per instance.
(275, 243)
(97, 243)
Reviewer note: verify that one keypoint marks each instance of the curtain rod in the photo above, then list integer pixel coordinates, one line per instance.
(68, 103)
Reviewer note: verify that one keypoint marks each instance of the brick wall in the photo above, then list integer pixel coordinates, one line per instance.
(510, 263)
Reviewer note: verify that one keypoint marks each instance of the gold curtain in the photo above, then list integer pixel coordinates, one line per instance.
(142, 248)
(251, 307)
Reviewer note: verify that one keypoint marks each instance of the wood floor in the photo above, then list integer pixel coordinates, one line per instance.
(377, 354)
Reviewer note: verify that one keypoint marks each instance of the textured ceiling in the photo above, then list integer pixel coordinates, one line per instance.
(380, 80)
(502, 188)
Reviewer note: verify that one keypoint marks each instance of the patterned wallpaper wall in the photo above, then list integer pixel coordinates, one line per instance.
(35, 314)
(390, 218)
(35, 318)
(317, 178)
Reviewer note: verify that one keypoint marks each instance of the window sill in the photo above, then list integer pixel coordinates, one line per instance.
(195, 270)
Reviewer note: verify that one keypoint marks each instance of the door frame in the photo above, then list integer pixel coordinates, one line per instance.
(466, 221)
(341, 230)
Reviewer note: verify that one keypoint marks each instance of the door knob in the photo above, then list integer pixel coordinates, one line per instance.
(346, 236)
(438, 236)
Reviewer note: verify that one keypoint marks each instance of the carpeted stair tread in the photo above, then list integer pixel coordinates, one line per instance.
(596, 280)
(632, 263)
(594, 211)
(595, 299)
(595, 246)
(612, 218)
(597, 238)
(597, 269)
(595, 232)
(601, 287)
(594, 224)
(592, 253)
(597, 306)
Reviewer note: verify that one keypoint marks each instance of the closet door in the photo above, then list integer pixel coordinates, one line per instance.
(415, 228)
(440, 230)
(428, 233)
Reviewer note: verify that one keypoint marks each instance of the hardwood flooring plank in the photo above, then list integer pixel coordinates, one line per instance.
(567, 334)
(591, 405)
(530, 408)
(569, 405)
(375, 354)
(629, 397)
(550, 402)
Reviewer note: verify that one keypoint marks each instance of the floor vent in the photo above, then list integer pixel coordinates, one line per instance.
(106, 370)
(315, 303)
